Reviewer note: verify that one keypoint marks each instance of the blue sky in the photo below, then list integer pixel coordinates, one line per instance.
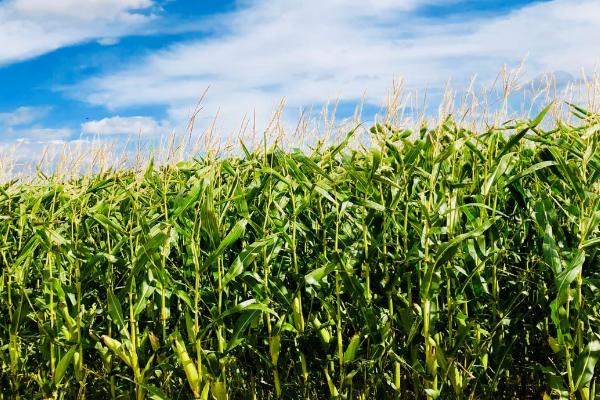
(73, 69)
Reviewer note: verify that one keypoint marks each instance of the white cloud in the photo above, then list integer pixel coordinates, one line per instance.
(29, 28)
(23, 115)
(312, 51)
(23, 125)
(40, 135)
(43, 135)
(133, 126)
(108, 41)
(77, 9)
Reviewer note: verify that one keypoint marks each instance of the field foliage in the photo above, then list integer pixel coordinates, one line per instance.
(435, 263)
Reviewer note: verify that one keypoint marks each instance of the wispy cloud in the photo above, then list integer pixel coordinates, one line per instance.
(41, 135)
(29, 28)
(312, 51)
(23, 116)
(143, 126)
(24, 124)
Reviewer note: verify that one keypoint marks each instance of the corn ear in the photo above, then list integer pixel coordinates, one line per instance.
(297, 314)
(274, 348)
(188, 365)
(219, 391)
(117, 348)
(78, 365)
(324, 333)
(332, 389)
(352, 349)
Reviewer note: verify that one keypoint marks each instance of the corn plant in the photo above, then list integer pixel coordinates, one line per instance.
(431, 263)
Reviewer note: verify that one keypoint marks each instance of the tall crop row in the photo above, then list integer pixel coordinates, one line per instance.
(438, 263)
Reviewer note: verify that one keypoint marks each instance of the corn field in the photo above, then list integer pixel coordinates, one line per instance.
(434, 263)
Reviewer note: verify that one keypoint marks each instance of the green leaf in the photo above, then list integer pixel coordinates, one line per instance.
(28, 249)
(311, 165)
(192, 197)
(568, 172)
(342, 145)
(109, 224)
(447, 250)
(158, 243)
(246, 256)
(17, 316)
(155, 393)
(530, 170)
(537, 120)
(142, 299)
(208, 216)
(51, 237)
(590, 242)
(242, 324)
(63, 364)
(586, 362)
(568, 275)
(551, 252)
(500, 170)
(233, 236)
(371, 204)
(580, 110)
(315, 276)
(241, 202)
(518, 136)
(115, 310)
(103, 184)
(246, 305)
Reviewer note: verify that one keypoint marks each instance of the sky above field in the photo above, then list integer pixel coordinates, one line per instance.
(77, 69)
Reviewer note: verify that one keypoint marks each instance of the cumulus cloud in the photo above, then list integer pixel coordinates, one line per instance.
(312, 51)
(145, 126)
(29, 28)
